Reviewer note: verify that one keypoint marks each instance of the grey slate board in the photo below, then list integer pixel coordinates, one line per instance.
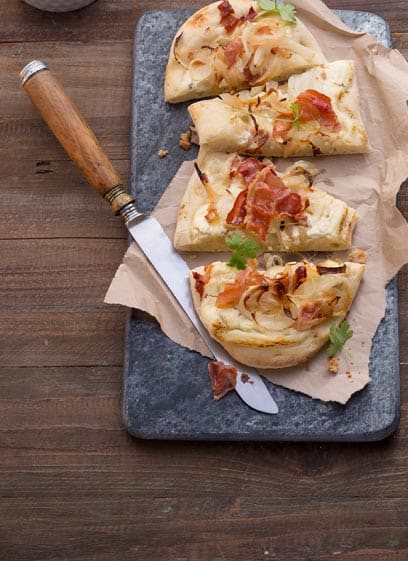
(166, 388)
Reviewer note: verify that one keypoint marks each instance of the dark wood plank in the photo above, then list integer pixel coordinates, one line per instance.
(197, 501)
(105, 20)
(67, 461)
(107, 113)
(51, 298)
(71, 207)
(74, 486)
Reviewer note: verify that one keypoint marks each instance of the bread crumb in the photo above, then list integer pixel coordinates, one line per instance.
(185, 140)
(358, 256)
(348, 374)
(162, 153)
(333, 365)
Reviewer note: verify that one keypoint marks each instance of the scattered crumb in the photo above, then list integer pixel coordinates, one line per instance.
(348, 374)
(362, 343)
(162, 153)
(358, 256)
(333, 365)
(185, 140)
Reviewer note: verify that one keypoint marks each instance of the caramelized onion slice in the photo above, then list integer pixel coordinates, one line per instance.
(330, 268)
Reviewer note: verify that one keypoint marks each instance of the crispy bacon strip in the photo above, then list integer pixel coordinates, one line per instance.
(269, 198)
(229, 19)
(237, 214)
(249, 168)
(202, 279)
(316, 106)
(313, 106)
(223, 378)
(283, 125)
(232, 51)
(315, 311)
(290, 204)
(233, 291)
(250, 15)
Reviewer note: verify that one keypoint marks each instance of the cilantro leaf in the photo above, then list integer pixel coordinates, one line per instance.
(296, 111)
(237, 261)
(296, 116)
(241, 248)
(339, 334)
(286, 11)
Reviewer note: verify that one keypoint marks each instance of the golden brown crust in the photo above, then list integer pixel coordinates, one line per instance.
(330, 220)
(262, 339)
(197, 68)
(238, 123)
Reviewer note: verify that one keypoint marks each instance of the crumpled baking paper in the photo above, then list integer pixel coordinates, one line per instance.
(367, 182)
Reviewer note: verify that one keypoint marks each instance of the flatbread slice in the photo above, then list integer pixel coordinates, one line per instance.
(277, 317)
(235, 45)
(314, 113)
(280, 211)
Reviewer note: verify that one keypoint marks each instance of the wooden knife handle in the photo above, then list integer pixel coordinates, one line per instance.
(65, 121)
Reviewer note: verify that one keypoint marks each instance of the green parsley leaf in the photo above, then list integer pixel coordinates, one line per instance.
(267, 5)
(241, 248)
(296, 119)
(339, 334)
(296, 111)
(286, 11)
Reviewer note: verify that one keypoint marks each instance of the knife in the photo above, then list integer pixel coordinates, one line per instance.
(65, 121)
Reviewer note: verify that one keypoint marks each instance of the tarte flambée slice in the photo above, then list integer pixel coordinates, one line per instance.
(314, 113)
(280, 211)
(232, 45)
(278, 317)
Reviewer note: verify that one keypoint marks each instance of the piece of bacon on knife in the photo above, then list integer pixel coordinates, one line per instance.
(223, 378)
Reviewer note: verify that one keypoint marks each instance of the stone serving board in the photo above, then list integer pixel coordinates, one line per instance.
(166, 387)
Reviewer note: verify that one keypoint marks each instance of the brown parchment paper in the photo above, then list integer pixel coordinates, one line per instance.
(369, 183)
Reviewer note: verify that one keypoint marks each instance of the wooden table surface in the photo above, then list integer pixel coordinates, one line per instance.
(74, 485)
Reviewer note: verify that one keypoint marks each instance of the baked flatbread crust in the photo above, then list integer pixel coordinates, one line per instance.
(205, 59)
(314, 113)
(217, 184)
(268, 327)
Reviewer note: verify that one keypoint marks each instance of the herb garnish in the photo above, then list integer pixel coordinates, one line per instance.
(339, 334)
(296, 111)
(296, 119)
(286, 11)
(241, 249)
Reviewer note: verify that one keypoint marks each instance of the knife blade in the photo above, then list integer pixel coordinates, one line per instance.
(65, 121)
(157, 247)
